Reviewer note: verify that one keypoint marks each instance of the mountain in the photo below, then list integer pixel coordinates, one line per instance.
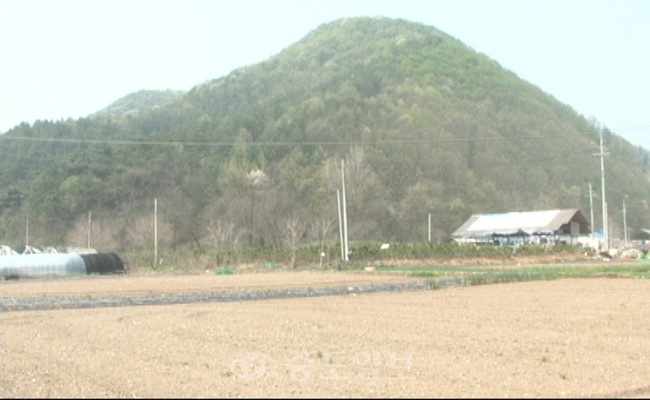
(137, 102)
(423, 124)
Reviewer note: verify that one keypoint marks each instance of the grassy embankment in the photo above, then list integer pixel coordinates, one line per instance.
(442, 276)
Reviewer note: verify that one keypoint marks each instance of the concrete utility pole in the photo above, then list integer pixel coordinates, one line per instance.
(602, 156)
(625, 223)
(429, 236)
(155, 233)
(338, 200)
(27, 228)
(90, 221)
(591, 208)
(345, 214)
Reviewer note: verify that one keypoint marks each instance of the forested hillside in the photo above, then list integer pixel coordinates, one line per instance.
(424, 124)
(134, 103)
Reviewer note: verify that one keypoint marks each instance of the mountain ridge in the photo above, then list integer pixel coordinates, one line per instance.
(424, 123)
(136, 102)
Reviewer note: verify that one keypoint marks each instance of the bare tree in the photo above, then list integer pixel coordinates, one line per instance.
(224, 237)
(102, 233)
(358, 171)
(141, 234)
(292, 230)
(321, 229)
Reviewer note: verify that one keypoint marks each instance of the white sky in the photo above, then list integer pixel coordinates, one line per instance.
(69, 58)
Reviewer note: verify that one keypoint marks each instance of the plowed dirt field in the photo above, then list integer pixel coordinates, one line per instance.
(563, 338)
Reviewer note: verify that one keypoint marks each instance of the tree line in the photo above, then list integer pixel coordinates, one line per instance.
(425, 126)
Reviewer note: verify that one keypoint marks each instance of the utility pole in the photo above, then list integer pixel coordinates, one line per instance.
(338, 200)
(345, 216)
(591, 208)
(90, 213)
(602, 156)
(155, 233)
(625, 223)
(429, 236)
(27, 228)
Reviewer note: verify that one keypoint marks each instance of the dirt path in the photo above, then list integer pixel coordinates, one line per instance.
(566, 338)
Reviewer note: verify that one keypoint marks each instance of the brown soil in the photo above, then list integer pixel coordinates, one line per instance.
(163, 284)
(565, 338)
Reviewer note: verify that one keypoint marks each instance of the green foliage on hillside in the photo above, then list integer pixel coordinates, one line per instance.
(135, 103)
(424, 124)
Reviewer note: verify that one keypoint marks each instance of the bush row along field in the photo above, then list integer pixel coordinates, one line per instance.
(440, 276)
(361, 254)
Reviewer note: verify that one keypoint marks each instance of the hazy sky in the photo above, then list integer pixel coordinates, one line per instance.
(65, 58)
